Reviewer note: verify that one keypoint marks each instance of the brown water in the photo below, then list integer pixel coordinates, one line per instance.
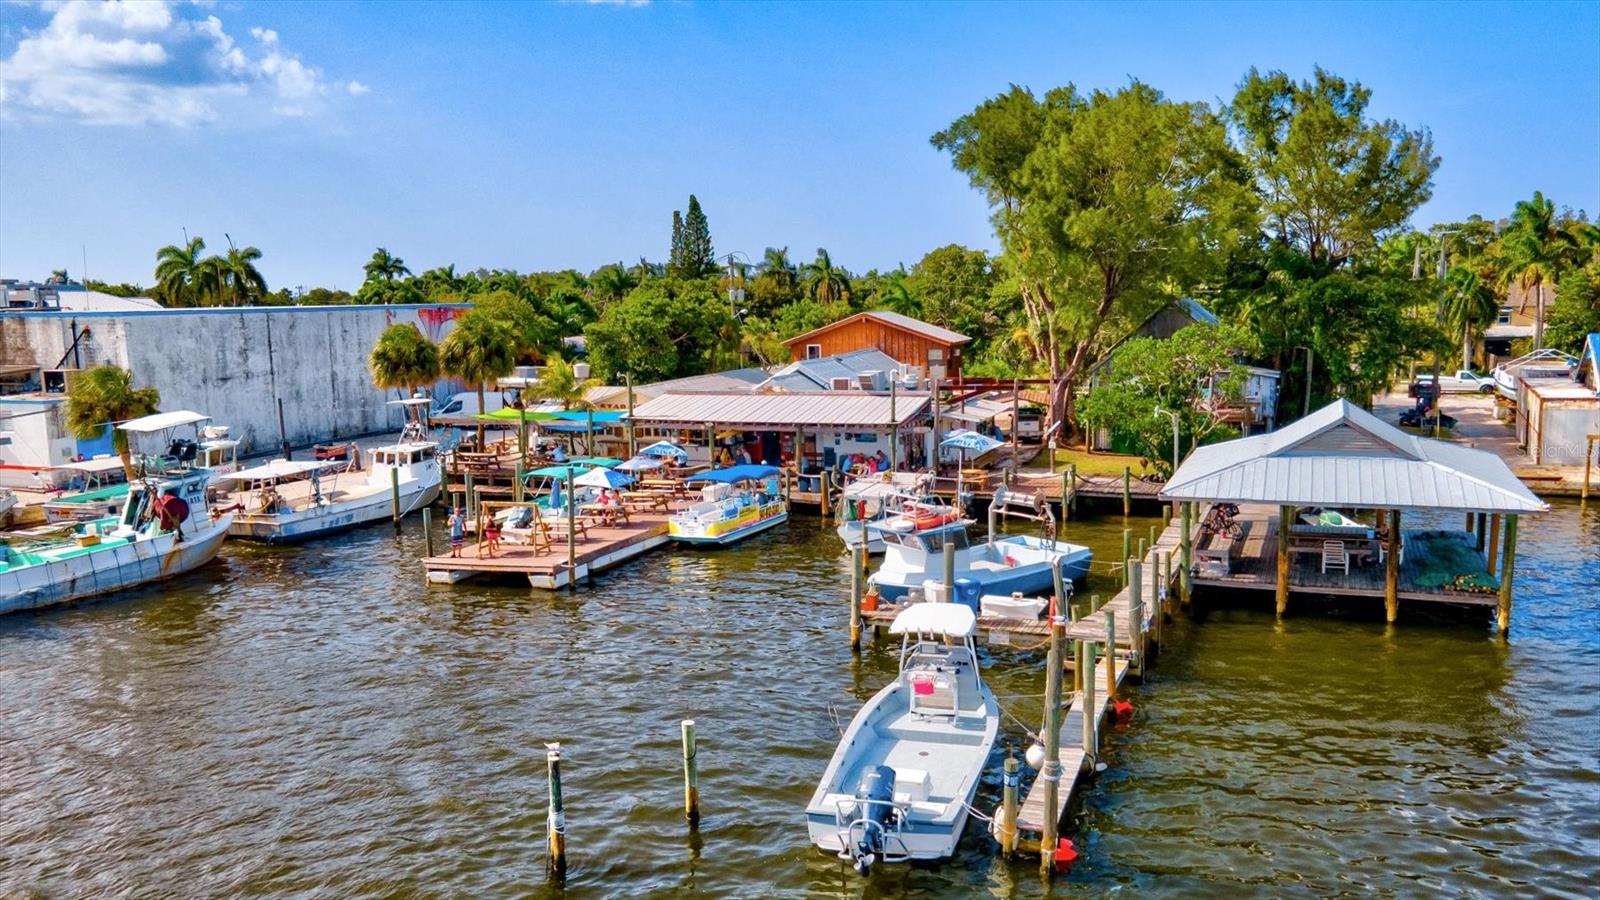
(316, 720)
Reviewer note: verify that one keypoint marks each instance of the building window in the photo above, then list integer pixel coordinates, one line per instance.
(813, 351)
(1504, 318)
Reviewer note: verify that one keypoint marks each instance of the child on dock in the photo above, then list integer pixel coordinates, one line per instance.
(458, 532)
(491, 537)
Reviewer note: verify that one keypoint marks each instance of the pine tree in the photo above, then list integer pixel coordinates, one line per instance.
(699, 258)
(675, 256)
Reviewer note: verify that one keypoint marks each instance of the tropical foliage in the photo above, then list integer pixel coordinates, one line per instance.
(101, 398)
(403, 359)
(479, 350)
(559, 382)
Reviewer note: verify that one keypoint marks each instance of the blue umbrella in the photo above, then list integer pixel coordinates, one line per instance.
(640, 464)
(603, 478)
(970, 442)
(664, 449)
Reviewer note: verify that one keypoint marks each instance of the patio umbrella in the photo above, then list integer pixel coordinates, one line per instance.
(603, 478)
(640, 464)
(662, 449)
(966, 441)
(604, 462)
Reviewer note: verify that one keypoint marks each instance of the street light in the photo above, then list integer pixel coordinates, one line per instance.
(1174, 416)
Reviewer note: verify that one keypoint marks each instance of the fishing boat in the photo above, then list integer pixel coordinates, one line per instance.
(163, 530)
(878, 496)
(900, 785)
(8, 501)
(96, 488)
(1025, 564)
(736, 502)
(293, 500)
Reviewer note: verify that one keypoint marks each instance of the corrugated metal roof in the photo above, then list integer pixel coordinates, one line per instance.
(731, 380)
(818, 374)
(1343, 456)
(906, 323)
(835, 408)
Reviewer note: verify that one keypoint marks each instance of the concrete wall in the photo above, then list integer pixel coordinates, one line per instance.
(236, 364)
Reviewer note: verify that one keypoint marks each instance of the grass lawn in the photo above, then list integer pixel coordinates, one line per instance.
(1089, 463)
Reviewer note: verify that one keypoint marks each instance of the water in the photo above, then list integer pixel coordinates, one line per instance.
(316, 720)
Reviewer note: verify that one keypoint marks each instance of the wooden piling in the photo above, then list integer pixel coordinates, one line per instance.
(1285, 521)
(427, 530)
(1072, 480)
(1008, 806)
(1480, 529)
(470, 510)
(1142, 547)
(1391, 571)
(1090, 735)
(858, 564)
(572, 534)
(1059, 582)
(1127, 551)
(1127, 491)
(1186, 543)
(1136, 613)
(825, 483)
(1051, 773)
(394, 494)
(691, 776)
(994, 512)
(1155, 535)
(517, 485)
(1503, 616)
(950, 571)
(1111, 656)
(1493, 550)
(556, 824)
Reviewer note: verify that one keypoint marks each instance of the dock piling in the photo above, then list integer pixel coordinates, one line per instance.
(858, 563)
(1051, 773)
(471, 512)
(1186, 541)
(572, 534)
(1127, 491)
(1127, 551)
(1063, 599)
(691, 775)
(949, 571)
(1136, 613)
(1391, 571)
(1089, 707)
(1285, 521)
(394, 494)
(1111, 655)
(427, 530)
(1493, 550)
(1008, 807)
(556, 827)
(1503, 612)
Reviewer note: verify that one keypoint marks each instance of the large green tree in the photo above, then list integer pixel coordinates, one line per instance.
(243, 281)
(666, 328)
(403, 359)
(1536, 248)
(692, 254)
(105, 396)
(954, 285)
(385, 265)
(479, 350)
(1107, 205)
(825, 283)
(1577, 309)
(1470, 305)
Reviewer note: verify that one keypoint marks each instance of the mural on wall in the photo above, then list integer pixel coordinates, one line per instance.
(432, 319)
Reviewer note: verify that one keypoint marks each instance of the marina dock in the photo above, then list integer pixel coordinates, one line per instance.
(554, 564)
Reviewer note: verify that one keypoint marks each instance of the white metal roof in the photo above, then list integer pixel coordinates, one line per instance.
(278, 468)
(955, 620)
(759, 411)
(1343, 456)
(162, 421)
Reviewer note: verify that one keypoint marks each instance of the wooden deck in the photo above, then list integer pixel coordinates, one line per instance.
(547, 567)
(1254, 566)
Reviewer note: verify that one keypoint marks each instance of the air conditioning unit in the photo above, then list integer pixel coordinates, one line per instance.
(873, 381)
(842, 383)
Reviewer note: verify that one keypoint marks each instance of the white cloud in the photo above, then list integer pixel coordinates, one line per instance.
(138, 62)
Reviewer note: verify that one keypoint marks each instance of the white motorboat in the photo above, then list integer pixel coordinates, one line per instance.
(914, 554)
(874, 497)
(293, 500)
(901, 783)
(737, 502)
(163, 530)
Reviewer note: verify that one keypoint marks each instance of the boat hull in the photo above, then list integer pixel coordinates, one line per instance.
(732, 536)
(114, 569)
(855, 534)
(1032, 578)
(302, 525)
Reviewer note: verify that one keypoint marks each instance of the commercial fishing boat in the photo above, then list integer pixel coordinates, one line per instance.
(878, 496)
(293, 500)
(737, 502)
(163, 530)
(900, 785)
(914, 553)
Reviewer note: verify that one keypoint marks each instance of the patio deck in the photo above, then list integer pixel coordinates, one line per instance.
(1427, 559)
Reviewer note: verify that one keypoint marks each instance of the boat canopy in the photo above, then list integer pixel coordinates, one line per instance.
(954, 620)
(555, 471)
(412, 401)
(278, 468)
(96, 466)
(162, 421)
(639, 464)
(662, 449)
(876, 486)
(735, 474)
(604, 462)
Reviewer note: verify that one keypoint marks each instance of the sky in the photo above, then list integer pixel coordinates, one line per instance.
(555, 135)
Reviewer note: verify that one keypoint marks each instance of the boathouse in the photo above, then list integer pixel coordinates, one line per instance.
(1322, 509)
(912, 342)
(1559, 414)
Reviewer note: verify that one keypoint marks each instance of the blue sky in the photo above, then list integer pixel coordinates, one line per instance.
(538, 136)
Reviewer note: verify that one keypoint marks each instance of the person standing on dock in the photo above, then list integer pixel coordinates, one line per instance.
(458, 532)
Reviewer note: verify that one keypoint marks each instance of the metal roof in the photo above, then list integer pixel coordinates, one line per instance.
(758, 411)
(818, 374)
(894, 320)
(1343, 456)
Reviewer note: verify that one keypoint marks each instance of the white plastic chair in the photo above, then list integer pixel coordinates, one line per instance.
(1335, 557)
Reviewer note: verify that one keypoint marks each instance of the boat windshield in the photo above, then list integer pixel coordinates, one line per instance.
(929, 541)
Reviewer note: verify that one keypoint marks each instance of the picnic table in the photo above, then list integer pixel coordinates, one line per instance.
(655, 500)
(672, 486)
(605, 513)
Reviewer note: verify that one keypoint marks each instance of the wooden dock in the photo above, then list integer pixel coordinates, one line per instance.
(548, 566)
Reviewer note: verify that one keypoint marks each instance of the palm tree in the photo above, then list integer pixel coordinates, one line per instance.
(1536, 250)
(103, 396)
(479, 350)
(776, 265)
(177, 269)
(896, 295)
(610, 283)
(559, 382)
(210, 281)
(385, 265)
(1470, 304)
(239, 272)
(825, 282)
(403, 359)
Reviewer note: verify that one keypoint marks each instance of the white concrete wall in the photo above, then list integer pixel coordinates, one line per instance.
(235, 364)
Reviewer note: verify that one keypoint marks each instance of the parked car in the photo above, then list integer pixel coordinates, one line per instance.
(1464, 381)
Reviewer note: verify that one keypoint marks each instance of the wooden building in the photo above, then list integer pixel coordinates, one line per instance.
(911, 342)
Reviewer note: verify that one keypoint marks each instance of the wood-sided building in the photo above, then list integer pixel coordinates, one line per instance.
(911, 342)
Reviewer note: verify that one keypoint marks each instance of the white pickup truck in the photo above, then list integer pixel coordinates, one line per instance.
(1462, 382)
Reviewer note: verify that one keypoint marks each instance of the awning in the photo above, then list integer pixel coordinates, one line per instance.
(954, 620)
(277, 469)
(734, 474)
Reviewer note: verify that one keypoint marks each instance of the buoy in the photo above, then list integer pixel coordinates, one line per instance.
(1034, 757)
(1123, 710)
(1065, 855)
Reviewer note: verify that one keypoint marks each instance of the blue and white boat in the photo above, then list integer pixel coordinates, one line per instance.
(736, 502)
(1013, 564)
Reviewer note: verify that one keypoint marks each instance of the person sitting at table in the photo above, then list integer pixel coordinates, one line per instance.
(558, 454)
(880, 462)
(724, 458)
(741, 457)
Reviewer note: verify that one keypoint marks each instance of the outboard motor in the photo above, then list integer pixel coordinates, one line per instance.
(875, 815)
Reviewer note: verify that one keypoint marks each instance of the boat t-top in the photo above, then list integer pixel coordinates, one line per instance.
(163, 529)
(736, 502)
(900, 785)
(880, 495)
(913, 554)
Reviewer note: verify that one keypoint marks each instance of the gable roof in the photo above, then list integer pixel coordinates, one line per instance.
(1343, 456)
(893, 320)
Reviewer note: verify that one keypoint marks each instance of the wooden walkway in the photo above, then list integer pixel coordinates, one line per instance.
(548, 567)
